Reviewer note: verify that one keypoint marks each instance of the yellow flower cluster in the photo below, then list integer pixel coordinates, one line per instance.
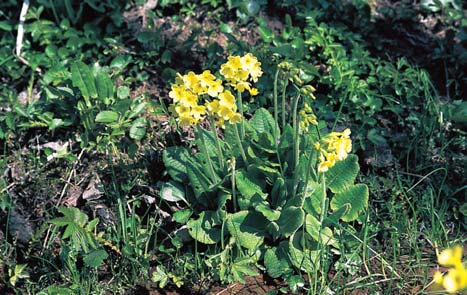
(219, 103)
(224, 109)
(334, 147)
(240, 71)
(456, 278)
(307, 117)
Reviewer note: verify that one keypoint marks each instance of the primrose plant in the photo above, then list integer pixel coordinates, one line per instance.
(259, 192)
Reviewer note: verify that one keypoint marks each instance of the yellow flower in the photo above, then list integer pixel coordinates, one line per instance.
(451, 257)
(240, 71)
(333, 147)
(456, 278)
(307, 117)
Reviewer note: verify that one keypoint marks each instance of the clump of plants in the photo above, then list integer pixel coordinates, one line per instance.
(261, 193)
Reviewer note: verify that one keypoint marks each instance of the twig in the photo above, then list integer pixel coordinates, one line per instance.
(22, 18)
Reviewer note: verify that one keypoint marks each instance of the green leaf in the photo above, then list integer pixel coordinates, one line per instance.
(248, 186)
(203, 229)
(120, 62)
(175, 160)
(107, 117)
(290, 220)
(95, 258)
(333, 219)
(342, 175)
(138, 129)
(172, 192)
(264, 208)
(182, 216)
(275, 261)
(302, 252)
(242, 266)
(247, 227)
(82, 77)
(313, 196)
(263, 121)
(356, 196)
(105, 87)
(312, 226)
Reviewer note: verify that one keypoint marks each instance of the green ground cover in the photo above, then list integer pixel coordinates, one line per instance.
(232, 147)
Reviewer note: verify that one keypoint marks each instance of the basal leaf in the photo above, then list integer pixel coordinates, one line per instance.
(105, 87)
(356, 196)
(138, 129)
(342, 175)
(204, 229)
(82, 77)
(303, 252)
(247, 227)
(175, 160)
(313, 196)
(248, 186)
(290, 220)
(107, 117)
(318, 233)
(275, 261)
(263, 122)
(172, 192)
(95, 258)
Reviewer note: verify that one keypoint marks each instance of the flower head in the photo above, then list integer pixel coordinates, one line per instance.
(456, 277)
(241, 71)
(333, 147)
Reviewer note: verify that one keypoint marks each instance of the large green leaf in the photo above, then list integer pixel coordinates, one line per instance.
(318, 233)
(172, 192)
(209, 140)
(247, 227)
(342, 175)
(290, 220)
(356, 196)
(263, 121)
(248, 186)
(204, 229)
(303, 252)
(95, 257)
(313, 196)
(107, 117)
(275, 261)
(82, 77)
(175, 160)
(105, 87)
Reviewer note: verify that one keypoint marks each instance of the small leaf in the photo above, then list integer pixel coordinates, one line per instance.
(107, 117)
(138, 129)
(95, 258)
(356, 196)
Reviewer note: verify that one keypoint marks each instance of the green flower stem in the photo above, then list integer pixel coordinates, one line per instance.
(321, 221)
(220, 155)
(205, 152)
(232, 180)
(296, 142)
(240, 109)
(286, 83)
(276, 108)
(240, 145)
(338, 114)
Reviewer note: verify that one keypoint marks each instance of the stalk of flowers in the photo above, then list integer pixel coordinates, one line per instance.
(240, 72)
(456, 277)
(333, 147)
